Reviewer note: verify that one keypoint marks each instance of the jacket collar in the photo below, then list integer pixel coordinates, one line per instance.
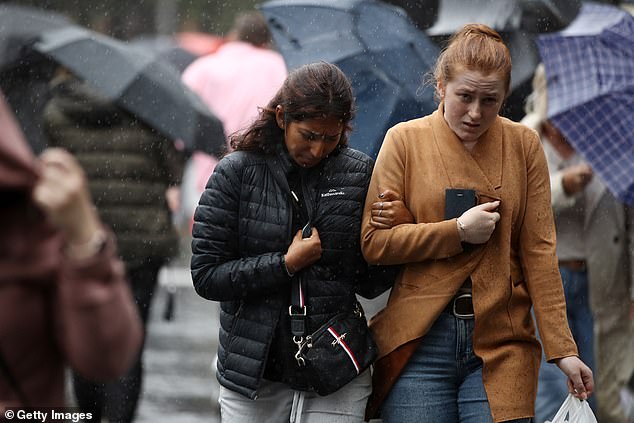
(480, 169)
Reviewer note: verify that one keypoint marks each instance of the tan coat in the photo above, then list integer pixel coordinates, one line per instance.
(515, 269)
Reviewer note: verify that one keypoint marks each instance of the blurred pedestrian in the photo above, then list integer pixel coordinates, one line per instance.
(248, 247)
(594, 249)
(241, 76)
(63, 296)
(456, 339)
(132, 170)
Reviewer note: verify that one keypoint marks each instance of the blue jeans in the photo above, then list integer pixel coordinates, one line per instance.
(442, 382)
(552, 387)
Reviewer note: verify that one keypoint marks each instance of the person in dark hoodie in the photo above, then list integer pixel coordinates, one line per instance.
(63, 296)
(130, 168)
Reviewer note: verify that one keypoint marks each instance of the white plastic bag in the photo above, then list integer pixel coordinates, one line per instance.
(574, 410)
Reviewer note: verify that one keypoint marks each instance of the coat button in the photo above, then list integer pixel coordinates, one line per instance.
(616, 239)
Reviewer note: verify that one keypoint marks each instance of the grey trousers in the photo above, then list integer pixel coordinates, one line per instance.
(277, 402)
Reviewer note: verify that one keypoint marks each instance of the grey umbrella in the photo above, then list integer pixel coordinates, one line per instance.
(20, 26)
(139, 82)
(24, 75)
(166, 48)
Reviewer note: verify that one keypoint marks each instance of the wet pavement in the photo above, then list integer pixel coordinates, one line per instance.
(180, 385)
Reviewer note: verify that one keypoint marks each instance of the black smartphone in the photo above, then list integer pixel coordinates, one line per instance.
(458, 201)
(307, 230)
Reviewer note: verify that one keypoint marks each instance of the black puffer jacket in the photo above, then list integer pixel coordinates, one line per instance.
(242, 229)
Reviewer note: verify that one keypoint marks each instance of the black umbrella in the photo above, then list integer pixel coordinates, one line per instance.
(374, 44)
(140, 83)
(20, 26)
(166, 48)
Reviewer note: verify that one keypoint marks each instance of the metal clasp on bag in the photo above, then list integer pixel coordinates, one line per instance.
(299, 341)
(358, 310)
(297, 311)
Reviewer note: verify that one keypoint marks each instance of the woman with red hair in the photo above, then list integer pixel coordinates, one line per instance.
(457, 339)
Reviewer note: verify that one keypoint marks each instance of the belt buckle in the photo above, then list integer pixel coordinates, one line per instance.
(460, 315)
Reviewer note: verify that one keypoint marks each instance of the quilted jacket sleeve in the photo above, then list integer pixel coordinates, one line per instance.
(219, 272)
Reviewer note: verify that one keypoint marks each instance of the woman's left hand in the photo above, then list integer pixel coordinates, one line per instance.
(389, 211)
(580, 379)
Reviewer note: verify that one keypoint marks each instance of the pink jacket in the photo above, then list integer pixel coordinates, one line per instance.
(236, 80)
(53, 312)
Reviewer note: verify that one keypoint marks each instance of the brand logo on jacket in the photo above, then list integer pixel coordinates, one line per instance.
(332, 192)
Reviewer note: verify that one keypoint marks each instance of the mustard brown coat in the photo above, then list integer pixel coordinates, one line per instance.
(514, 271)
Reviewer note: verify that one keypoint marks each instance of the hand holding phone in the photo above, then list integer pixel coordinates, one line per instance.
(478, 223)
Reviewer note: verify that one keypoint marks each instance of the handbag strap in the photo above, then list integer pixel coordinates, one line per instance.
(297, 308)
(13, 382)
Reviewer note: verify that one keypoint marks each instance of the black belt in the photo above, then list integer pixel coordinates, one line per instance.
(574, 265)
(461, 306)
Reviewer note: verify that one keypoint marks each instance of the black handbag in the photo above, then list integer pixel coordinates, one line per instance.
(340, 349)
(337, 352)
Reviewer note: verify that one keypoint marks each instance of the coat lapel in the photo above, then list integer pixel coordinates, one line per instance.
(480, 169)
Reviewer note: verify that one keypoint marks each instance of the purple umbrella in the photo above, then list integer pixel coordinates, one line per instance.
(590, 81)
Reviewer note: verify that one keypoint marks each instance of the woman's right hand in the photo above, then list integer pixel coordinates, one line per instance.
(62, 193)
(478, 223)
(303, 251)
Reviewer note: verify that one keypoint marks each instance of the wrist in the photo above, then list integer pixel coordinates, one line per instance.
(288, 271)
(461, 229)
(88, 248)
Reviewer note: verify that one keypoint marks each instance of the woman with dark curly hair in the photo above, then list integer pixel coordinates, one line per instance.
(290, 168)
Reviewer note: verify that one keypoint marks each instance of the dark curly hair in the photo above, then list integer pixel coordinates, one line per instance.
(317, 90)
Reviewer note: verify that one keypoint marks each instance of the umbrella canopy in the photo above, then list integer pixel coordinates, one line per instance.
(517, 21)
(505, 15)
(138, 82)
(166, 48)
(590, 80)
(20, 26)
(374, 44)
(509, 18)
